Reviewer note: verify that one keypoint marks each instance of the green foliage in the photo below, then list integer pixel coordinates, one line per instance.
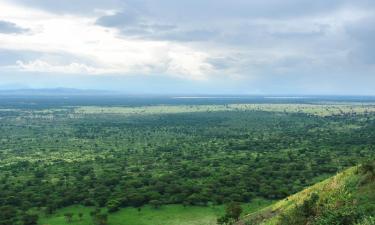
(233, 210)
(196, 155)
(294, 217)
(80, 215)
(155, 204)
(98, 217)
(69, 217)
(232, 213)
(367, 221)
(368, 169)
(341, 200)
(309, 206)
(8, 215)
(345, 215)
(225, 220)
(30, 219)
(113, 205)
(301, 213)
(165, 215)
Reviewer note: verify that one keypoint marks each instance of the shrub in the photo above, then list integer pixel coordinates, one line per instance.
(345, 215)
(113, 205)
(367, 221)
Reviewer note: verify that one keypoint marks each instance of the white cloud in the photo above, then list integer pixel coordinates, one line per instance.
(102, 47)
(42, 66)
(244, 42)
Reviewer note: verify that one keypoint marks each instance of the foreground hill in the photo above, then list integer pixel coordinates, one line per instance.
(347, 198)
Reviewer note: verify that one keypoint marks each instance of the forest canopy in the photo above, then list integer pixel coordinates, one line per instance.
(120, 156)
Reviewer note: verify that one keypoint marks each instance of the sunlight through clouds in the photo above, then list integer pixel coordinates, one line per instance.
(255, 46)
(101, 47)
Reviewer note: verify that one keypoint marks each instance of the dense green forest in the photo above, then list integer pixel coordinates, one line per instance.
(195, 155)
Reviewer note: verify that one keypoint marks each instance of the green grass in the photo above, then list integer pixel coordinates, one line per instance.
(349, 195)
(166, 215)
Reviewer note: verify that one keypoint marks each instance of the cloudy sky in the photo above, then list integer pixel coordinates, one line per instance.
(190, 46)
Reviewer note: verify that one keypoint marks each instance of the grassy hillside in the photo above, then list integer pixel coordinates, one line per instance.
(347, 198)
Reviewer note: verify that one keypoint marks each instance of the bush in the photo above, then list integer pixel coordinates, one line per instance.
(309, 206)
(368, 167)
(346, 215)
(113, 205)
(155, 204)
(233, 210)
(30, 219)
(367, 221)
(301, 213)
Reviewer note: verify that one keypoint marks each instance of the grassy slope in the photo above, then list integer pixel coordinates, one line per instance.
(347, 198)
(166, 215)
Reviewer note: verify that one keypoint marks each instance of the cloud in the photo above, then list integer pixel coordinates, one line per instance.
(80, 7)
(42, 66)
(11, 28)
(121, 19)
(89, 48)
(363, 34)
(258, 44)
(132, 24)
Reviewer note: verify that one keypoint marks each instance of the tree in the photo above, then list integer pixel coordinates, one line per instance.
(233, 210)
(7, 215)
(30, 219)
(368, 168)
(155, 204)
(113, 205)
(308, 206)
(232, 213)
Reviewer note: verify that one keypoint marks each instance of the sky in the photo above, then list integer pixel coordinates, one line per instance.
(255, 47)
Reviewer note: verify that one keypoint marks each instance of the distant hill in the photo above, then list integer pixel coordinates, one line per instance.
(54, 92)
(345, 199)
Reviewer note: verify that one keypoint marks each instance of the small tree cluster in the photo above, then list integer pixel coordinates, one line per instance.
(99, 218)
(232, 214)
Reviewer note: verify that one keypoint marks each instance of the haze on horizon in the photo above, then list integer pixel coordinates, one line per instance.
(197, 46)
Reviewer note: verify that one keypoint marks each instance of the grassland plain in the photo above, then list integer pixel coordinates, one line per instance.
(147, 215)
(313, 109)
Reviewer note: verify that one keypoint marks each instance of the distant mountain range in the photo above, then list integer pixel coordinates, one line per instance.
(55, 91)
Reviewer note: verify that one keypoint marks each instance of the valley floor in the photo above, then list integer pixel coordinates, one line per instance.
(166, 215)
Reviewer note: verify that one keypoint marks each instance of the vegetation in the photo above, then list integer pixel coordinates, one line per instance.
(232, 213)
(347, 198)
(114, 157)
(148, 215)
